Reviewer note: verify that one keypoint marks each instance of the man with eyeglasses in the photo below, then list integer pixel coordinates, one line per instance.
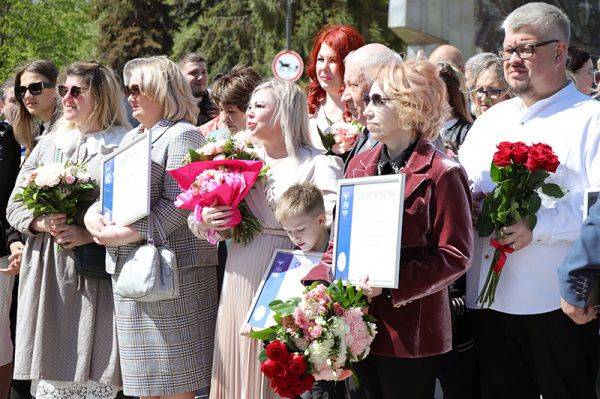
(527, 346)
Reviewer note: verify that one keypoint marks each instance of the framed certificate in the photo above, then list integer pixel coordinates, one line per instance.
(368, 230)
(125, 183)
(282, 280)
(589, 199)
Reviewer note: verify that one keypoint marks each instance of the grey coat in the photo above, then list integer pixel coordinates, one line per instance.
(65, 325)
(171, 142)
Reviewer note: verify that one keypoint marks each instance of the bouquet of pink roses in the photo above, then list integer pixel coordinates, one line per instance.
(326, 328)
(221, 173)
(57, 188)
(340, 137)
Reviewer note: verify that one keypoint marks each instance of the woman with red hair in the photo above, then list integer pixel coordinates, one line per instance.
(325, 70)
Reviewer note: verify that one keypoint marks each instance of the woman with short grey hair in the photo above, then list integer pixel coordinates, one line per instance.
(487, 86)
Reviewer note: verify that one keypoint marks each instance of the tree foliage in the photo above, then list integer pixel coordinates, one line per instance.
(59, 30)
(132, 29)
(231, 32)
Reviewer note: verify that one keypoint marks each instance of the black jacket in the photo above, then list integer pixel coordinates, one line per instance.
(10, 160)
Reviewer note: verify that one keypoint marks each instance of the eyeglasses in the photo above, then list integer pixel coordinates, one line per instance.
(492, 93)
(35, 89)
(375, 98)
(132, 90)
(74, 90)
(524, 51)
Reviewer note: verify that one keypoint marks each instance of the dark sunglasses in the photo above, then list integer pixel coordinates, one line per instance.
(74, 90)
(35, 89)
(375, 98)
(132, 90)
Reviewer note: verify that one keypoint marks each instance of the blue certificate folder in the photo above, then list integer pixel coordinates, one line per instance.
(344, 232)
(368, 230)
(107, 188)
(282, 280)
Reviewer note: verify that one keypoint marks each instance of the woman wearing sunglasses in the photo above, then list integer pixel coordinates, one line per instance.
(406, 108)
(67, 340)
(166, 346)
(39, 106)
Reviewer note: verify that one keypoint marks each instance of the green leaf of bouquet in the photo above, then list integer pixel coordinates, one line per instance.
(268, 334)
(532, 222)
(553, 190)
(536, 178)
(194, 155)
(534, 204)
(495, 173)
(262, 356)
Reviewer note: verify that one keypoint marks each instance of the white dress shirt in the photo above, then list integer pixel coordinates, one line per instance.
(569, 121)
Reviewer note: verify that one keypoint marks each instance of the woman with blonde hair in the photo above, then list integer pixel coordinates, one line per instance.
(165, 346)
(406, 108)
(67, 343)
(277, 117)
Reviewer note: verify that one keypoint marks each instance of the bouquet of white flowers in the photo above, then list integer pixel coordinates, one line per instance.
(57, 188)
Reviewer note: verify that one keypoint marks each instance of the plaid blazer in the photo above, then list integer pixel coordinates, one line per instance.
(171, 142)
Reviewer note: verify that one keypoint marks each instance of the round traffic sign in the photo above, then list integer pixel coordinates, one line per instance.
(288, 65)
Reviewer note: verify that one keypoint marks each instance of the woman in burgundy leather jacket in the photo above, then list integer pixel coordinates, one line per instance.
(406, 107)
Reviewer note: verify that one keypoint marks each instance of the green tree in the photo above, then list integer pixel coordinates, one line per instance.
(58, 30)
(132, 29)
(251, 32)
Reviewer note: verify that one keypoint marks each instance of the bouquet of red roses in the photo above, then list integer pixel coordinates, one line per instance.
(520, 172)
(287, 371)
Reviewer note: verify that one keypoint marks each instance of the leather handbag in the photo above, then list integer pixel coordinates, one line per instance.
(151, 273)
(90, 261)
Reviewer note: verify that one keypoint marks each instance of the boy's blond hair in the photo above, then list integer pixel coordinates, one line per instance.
(300, 200)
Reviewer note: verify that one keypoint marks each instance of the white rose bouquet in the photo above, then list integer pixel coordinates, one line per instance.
(57, 188)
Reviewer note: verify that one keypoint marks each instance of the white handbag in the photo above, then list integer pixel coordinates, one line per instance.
(151, 274)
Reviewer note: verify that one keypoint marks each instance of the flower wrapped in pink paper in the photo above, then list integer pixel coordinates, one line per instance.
(218, 183)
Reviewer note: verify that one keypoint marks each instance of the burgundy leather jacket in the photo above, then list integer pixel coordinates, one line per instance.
(437, 245)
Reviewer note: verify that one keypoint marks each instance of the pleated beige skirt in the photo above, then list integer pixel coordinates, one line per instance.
(236, 368)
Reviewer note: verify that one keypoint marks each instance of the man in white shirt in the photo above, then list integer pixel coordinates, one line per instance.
(527, 345)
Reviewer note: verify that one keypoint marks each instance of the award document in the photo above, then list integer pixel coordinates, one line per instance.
(282, 280)
(125, 192)
(368, 229)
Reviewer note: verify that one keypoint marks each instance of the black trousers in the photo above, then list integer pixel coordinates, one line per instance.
(383, 377)
(459, 375)
(525, 356)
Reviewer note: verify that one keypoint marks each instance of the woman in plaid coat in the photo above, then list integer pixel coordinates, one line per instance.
(165, 346)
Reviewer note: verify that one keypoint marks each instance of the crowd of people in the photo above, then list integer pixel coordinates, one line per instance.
(438, 121)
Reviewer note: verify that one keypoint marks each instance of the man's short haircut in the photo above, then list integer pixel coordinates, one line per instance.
(300, 200)
(543, 17)
(191, 58)
(370, 65)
